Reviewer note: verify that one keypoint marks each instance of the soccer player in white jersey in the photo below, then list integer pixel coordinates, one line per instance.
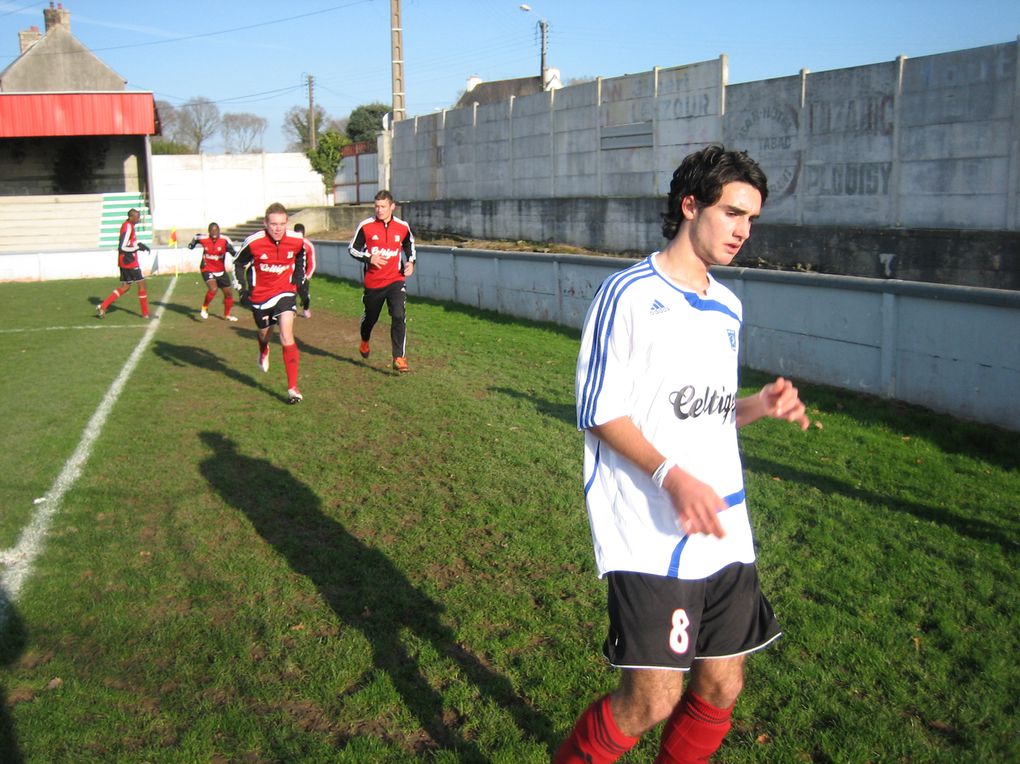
(657, 400)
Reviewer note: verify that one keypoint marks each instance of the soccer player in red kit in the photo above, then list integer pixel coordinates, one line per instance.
(385, 245)
(130, 269)
(214, 268)
(269, 267)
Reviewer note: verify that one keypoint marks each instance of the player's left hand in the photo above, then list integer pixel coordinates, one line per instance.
(781, 401)
(144, 247)
(408, 268)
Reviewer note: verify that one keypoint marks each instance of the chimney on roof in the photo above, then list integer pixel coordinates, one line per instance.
(27, 37)
(57, 17)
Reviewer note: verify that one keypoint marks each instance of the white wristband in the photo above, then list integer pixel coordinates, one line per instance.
(659, 476)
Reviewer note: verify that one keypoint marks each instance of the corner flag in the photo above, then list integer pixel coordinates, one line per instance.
(173, 238)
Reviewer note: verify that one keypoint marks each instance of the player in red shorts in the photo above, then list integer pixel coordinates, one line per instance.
(130, 269)
(269, 267)
(215, 269)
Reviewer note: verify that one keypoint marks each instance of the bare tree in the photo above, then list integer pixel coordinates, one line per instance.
(168, 119)
(199, 120)
(242, 133)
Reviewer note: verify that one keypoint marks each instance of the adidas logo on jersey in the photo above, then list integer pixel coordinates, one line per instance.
(657, 308)
(264, 257)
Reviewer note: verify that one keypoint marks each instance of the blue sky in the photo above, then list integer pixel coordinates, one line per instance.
(254, 56)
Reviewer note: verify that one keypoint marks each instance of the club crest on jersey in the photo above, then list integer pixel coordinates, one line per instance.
(733, 338)
(657, 308)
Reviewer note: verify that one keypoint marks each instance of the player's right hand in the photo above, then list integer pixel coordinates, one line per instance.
(697, 504)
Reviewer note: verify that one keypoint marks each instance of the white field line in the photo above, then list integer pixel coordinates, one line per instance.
(19, 560)
(71, 328)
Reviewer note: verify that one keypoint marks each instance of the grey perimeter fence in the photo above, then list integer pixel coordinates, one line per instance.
(952, 349)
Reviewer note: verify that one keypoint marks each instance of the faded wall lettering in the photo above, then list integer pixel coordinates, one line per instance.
(855, 179)
(869, 115)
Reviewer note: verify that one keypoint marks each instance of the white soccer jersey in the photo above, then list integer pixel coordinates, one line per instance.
(666, 358)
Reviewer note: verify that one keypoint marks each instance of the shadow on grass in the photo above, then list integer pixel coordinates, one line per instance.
(189, 355)
(12, 642)
(312, 350)
(966, 526)
(367, 592)
(565, 412)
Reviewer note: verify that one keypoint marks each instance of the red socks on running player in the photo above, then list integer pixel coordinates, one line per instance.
(693, 732)
(208, 298)
(143, 301)
(595, 738)
(228, 304)
(291, 358)
(112, 298)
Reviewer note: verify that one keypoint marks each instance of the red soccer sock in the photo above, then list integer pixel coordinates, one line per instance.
(208, 298)
(595, 738)
(291, 359)
(694, 732)
(143, 302)
(112, 298)
(228, 304)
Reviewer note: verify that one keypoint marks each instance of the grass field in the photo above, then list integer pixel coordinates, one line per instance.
(400, 569)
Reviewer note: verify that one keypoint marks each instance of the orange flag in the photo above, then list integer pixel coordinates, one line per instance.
(173, 237)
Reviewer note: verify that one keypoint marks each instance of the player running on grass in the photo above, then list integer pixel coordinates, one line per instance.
(215, 269)
(385, 245)
(657, 400)
(128, 248)
(269, 266)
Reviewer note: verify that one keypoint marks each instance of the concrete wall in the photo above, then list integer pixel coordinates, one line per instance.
(929, 142)
(90, 263)
(952, 349)
(191, 190)
(633, 225)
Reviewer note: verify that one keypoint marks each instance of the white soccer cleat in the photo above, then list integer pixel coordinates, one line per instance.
(294, 395)
(308, 313)
(264, 359)
(231, 318)
(204, 313)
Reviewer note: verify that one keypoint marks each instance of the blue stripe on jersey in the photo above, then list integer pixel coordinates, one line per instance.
(609, 297)
(595, 468)
(674, 561)
(699, 303)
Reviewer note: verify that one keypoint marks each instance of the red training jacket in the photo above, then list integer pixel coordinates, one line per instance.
(269, 268)
(213, 252)
(127, 248)
(388, 239)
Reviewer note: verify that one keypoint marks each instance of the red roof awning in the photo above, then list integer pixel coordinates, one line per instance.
(40, 115)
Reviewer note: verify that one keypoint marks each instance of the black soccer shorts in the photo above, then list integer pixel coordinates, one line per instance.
(268, 313)
(668, 623)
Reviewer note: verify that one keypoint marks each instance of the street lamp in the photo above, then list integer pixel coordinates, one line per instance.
(543, 27)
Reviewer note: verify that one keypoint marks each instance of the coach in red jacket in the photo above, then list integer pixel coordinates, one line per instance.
(385, 245)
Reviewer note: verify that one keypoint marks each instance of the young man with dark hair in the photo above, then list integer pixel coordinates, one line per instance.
(128, 248)
(303, 288)
(385, 245)
(657, 401)
(215, 269)
(269, 266)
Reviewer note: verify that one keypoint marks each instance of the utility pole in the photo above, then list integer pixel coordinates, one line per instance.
(397, 48)
(311, 113)
(543, 27)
